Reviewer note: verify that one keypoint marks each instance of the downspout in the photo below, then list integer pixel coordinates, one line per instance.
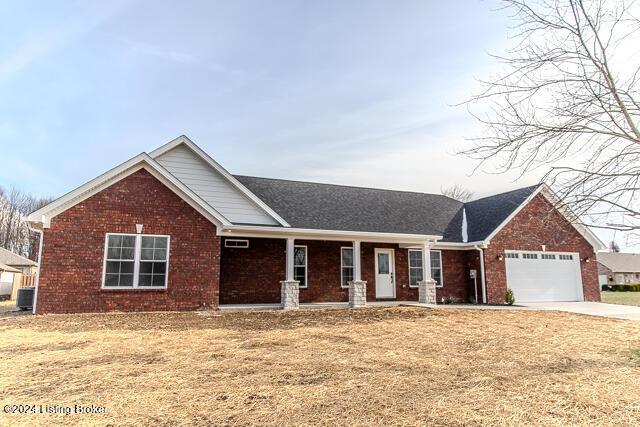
(482, 281)
(35, 293)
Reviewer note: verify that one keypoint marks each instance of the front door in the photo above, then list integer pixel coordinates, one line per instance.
(384, 274)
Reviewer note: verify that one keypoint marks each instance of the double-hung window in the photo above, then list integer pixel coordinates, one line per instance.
(300, 265)
(416, 272)
(415, 267)
(136, 261)
(346, 266)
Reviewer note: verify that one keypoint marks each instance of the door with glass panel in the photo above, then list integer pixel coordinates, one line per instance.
(385, 287)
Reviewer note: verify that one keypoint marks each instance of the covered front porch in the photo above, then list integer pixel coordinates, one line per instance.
(313, 269)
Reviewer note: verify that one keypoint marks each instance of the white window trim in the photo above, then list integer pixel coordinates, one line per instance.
(238, 241)
(136, 263)
(409, 266)
(342, 266)
(306, 265)
(441, 267)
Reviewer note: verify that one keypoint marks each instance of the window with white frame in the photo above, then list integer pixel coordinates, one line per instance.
(416, 272)
(346, 266)
(136, 261)
(565, 257)
(511, 255)
(300, 265)
(415, 267)
(436, 267)
(236, 243)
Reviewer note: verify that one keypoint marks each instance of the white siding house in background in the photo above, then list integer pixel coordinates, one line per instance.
(213, 187)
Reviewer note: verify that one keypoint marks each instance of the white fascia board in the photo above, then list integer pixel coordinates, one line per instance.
(141, 161)
(513, 214)
(548, 193)
(313, 234)
(217, 167)
(455, 246)
(585, 231)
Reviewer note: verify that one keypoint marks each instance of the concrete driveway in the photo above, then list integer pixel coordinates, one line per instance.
(616, 311)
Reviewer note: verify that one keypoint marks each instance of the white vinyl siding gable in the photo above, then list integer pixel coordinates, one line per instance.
(212, 187)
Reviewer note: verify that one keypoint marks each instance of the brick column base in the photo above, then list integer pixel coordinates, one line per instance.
(357, 293)
(427, 292)
(290, 294)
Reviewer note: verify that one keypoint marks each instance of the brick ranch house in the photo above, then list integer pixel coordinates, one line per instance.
(173, 230)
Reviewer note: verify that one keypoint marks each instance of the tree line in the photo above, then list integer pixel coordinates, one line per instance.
(15, 234)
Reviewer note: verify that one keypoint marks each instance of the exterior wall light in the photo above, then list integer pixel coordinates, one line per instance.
(586, 259)
(500, 257)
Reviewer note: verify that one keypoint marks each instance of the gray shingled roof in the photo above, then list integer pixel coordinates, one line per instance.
(337, 207)
(9, 258)
(620, 262)
(486, 214)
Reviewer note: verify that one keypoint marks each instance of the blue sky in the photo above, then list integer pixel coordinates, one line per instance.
(351, 92)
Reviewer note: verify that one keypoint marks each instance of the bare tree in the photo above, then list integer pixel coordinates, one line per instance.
(457, 192)
(15, 235)
(613, 247)
(568, 102)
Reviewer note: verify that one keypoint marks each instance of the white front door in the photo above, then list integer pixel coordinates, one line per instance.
(384, 274)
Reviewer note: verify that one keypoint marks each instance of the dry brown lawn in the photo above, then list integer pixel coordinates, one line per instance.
(386, 366)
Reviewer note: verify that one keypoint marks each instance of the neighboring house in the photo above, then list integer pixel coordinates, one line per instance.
(22, 273)
(173, 230)
(6, 281)
(618, 268)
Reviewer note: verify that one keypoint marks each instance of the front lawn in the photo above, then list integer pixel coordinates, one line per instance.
(367, 366)
(625, 298)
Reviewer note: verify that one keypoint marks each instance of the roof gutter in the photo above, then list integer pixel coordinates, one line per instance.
(460, 246)
(314, 234)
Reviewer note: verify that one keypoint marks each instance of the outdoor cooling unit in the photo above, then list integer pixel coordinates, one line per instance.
(24, 301)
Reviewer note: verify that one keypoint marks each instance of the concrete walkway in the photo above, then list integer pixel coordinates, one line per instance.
(616, 311)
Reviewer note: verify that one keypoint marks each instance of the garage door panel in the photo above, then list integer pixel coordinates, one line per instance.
(536, 279)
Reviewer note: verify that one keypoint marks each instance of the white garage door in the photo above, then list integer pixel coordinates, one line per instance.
(544, 276)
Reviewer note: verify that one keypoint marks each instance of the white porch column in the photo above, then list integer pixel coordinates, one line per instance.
(427, 286)
(357, 287)
(290, 261)
(289, 288)
(357, 265)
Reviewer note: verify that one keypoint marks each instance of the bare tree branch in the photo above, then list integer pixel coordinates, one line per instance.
(457, 192)
(568, 102)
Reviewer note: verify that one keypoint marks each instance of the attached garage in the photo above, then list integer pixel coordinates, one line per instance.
(544, 276)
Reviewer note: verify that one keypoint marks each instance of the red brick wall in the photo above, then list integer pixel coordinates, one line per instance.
(537, 224)
(253, 275)
(73, 251)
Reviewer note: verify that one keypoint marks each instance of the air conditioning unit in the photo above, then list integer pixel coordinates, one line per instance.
(24, 301)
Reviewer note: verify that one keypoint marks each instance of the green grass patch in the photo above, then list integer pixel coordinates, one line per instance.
(624, 298)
